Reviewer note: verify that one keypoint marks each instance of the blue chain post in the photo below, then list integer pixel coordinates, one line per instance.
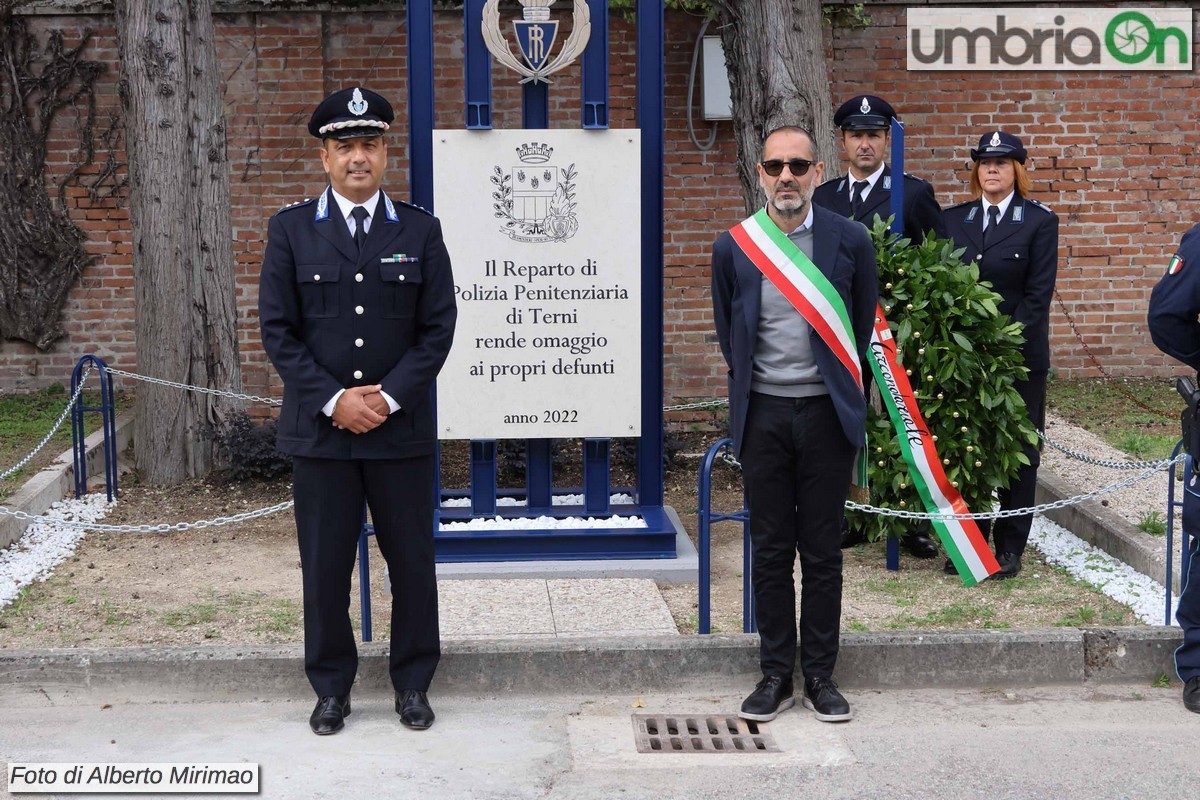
(107, 408)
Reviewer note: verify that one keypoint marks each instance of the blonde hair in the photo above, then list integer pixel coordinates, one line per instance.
(1023, 185)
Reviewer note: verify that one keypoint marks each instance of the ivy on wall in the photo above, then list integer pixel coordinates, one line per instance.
(41, 250)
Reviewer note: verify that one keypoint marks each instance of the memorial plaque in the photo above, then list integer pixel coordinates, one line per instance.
(544, 232)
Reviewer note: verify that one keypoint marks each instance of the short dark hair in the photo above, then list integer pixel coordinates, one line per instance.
(792, 129)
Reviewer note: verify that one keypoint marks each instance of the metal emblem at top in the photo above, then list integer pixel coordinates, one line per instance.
(536, 33)
(995, 140)
(865, 107)
(357, 104)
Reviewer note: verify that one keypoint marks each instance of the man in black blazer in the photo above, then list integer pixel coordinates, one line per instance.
(797, 417)
(356, 304)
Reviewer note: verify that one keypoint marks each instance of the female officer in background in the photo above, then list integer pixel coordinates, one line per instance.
(1013, 239)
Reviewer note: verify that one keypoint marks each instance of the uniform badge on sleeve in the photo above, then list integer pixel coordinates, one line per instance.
(1176, 265)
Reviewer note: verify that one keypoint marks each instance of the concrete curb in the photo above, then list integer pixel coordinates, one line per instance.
(982, 659)
(1106, 529)
(57, 480)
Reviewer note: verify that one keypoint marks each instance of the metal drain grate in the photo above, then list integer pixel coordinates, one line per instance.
(687, 733)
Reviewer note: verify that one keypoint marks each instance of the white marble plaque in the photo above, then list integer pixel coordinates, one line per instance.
(544, 233)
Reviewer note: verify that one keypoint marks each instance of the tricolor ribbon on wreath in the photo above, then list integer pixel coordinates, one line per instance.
(810, 293)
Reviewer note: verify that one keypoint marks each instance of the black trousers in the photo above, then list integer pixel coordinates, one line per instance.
(796, 465)
(329, 496)
(1011, 534)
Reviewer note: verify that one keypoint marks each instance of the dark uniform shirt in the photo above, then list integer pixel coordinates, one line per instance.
(333, 317)
(921, 210)
(1020, 261)
(1175, 304)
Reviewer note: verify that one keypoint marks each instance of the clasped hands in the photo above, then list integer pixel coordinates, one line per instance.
(360, 409)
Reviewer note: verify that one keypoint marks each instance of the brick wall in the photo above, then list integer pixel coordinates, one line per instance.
(1114, 155)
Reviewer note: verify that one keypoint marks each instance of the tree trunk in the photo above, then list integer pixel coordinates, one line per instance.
(182, 251)
(777, 76)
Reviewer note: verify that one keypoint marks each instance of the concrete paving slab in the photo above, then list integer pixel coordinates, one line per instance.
(505, 607)
(597, 605)
(1116, 741)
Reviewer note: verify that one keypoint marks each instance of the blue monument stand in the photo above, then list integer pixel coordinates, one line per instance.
(656, 540)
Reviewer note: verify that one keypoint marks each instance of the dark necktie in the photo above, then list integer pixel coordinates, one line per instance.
(856, 196)
(360, 228)
(993, 219)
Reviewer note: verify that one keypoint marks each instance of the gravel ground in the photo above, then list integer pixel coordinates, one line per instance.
(1132, 502)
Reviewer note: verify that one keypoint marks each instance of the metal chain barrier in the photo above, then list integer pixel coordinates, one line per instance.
(1148, 472)
(58, 424)
(692, 406)
(1099, 462)
(1149, 468)
(200, 389)
(159, 528)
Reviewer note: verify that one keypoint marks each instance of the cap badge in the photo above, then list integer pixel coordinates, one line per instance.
(865, 107)
(357, 105)
(995, 140)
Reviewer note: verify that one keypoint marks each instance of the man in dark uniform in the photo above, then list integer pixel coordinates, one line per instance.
(864, 193)
(1013, 240)
(356, 303)
(1174, 308)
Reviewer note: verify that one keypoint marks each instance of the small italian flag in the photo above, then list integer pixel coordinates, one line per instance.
(1176, 265)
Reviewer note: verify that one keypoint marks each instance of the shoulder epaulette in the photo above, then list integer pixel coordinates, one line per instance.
(298, 204)
(413, 206)
(1040, 205)
(834, 179)
(912, 177)
(960, 205)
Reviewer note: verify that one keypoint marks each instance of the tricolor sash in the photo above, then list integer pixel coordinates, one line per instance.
(808, 290)
(961, 537)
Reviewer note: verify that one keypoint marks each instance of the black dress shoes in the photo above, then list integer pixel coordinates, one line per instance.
(770, 696)
(921, 545)
(329, 715)
(821, 695)
(852, 536)
(414, 709)
(1191, 695)
(1010, 565)
(949, 568)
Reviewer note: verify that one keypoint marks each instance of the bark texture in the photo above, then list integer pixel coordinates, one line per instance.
(182, 251)
(777, 76)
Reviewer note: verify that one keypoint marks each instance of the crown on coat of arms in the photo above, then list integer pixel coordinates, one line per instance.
(534, 153)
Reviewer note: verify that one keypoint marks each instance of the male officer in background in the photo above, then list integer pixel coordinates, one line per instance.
(864, 193)
(1174, 327)
(356, 304)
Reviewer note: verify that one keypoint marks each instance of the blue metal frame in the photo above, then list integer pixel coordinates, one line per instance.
(897, 227)
(1173, 504)
(657, 540)
(651, 76)
(477, 64)
(108, 415)
(594, 92)
(705, 518)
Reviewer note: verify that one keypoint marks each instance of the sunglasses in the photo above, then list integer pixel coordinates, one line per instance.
(774, 167)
